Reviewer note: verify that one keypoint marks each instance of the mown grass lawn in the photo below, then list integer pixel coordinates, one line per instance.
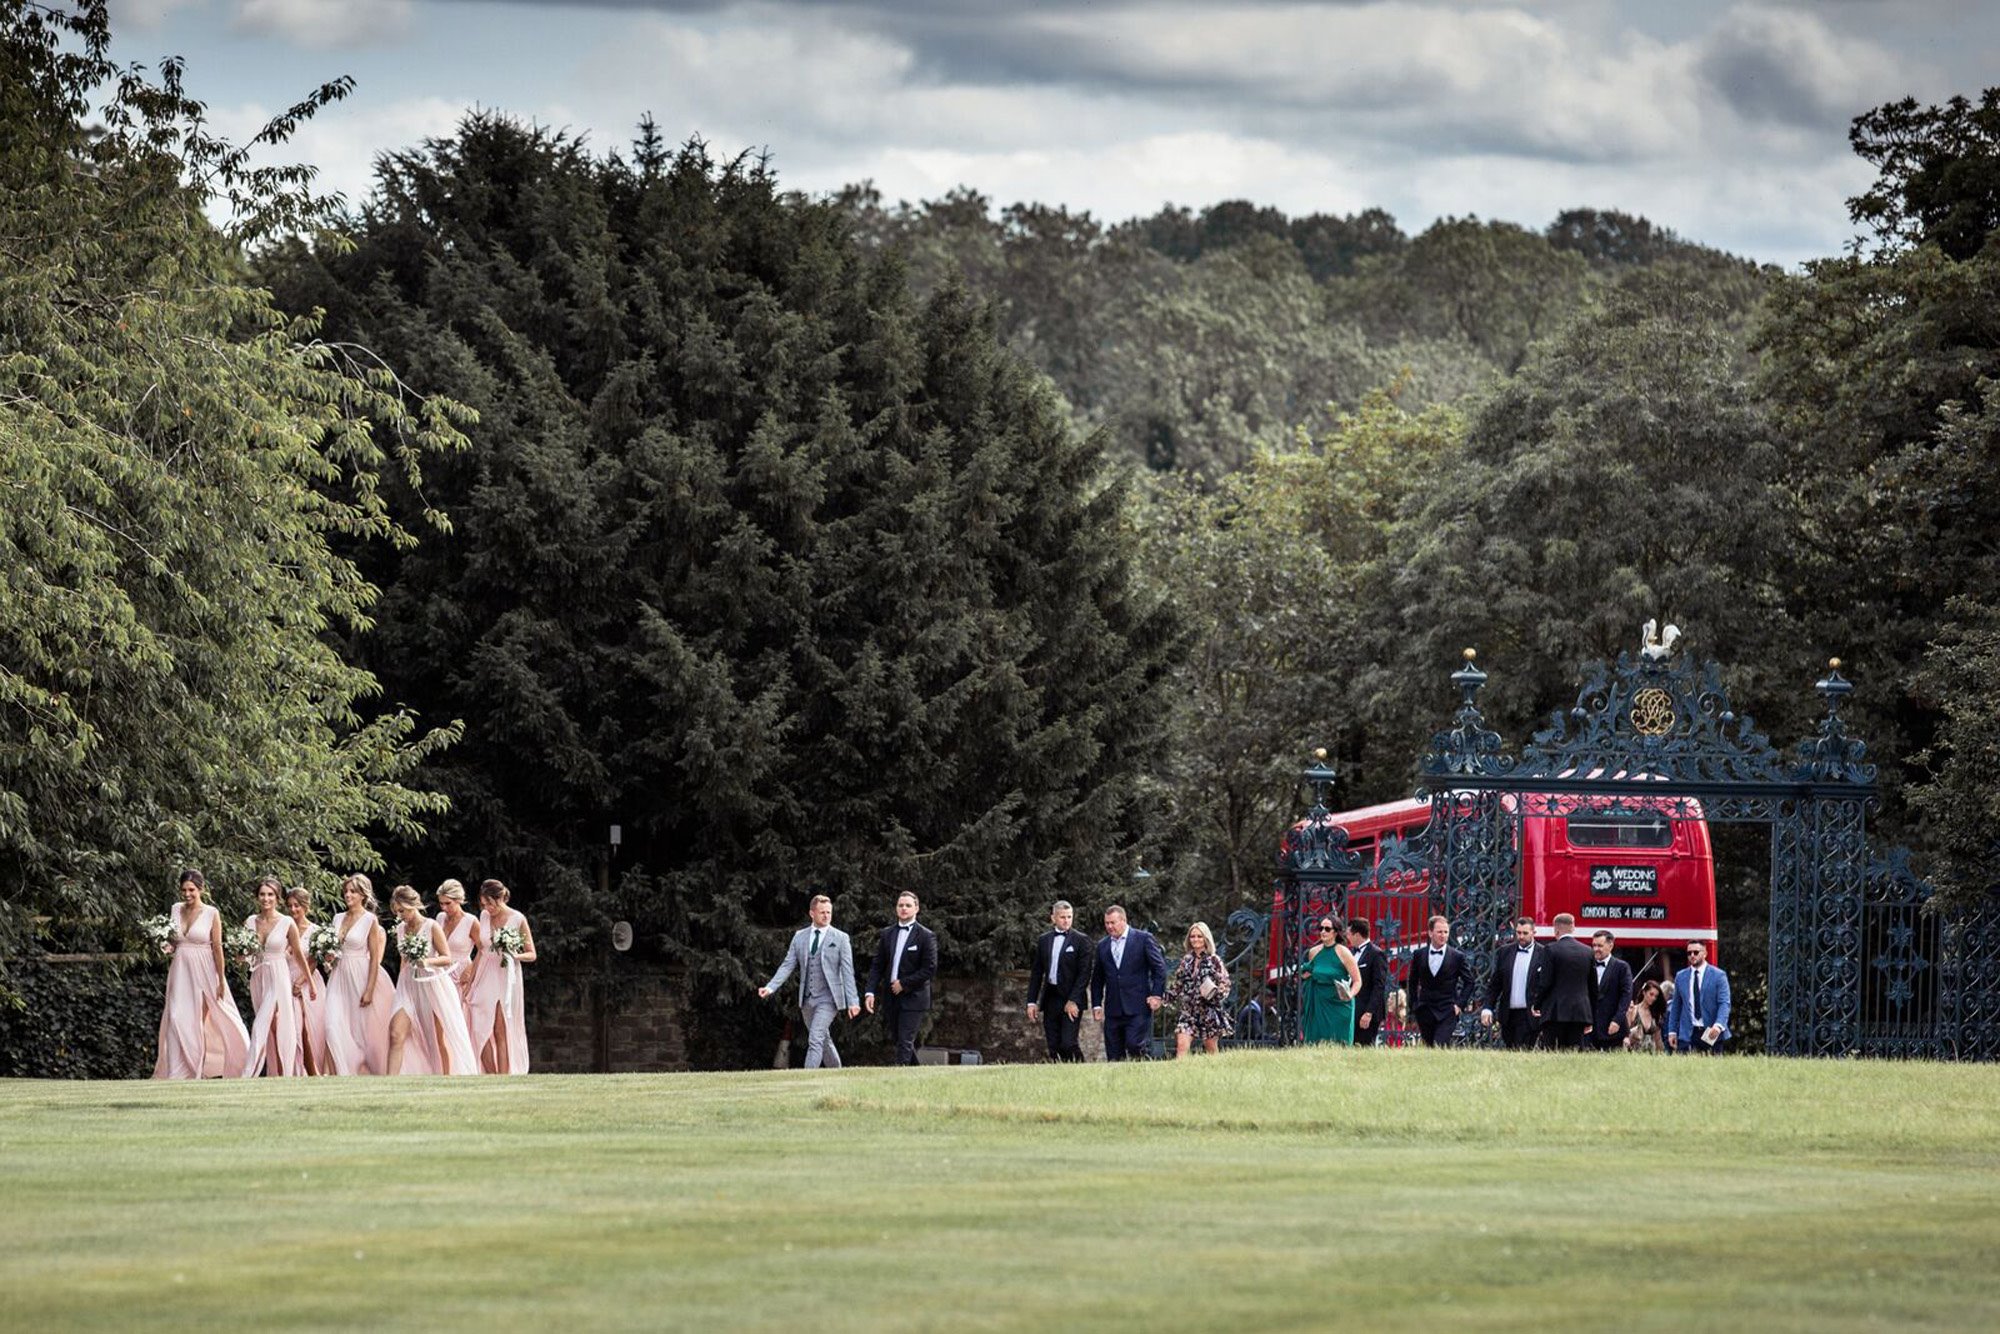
(1299, 1190)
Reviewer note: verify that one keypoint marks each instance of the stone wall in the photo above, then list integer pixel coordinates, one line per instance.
(989, 1014)
(631, 1020)
(616, 1022)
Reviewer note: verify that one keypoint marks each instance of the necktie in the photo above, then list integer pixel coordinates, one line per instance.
(1055, 958)
(815, 945)
(1118, 952)
(1697, 998)
(896, 960)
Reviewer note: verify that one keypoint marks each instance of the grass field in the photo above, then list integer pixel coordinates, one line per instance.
(1298, 1190)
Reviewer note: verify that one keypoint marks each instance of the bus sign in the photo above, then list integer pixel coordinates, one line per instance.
(1625, 881)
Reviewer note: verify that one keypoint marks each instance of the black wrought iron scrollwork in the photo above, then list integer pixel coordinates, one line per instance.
(1664, 719)
(1315, 867)
(1861, 957)
(1832, 756)
(1468, 746)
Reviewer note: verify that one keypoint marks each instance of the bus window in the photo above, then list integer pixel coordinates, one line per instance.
(1602, 830)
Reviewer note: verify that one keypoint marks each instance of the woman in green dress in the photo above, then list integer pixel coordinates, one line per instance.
(1328, 980)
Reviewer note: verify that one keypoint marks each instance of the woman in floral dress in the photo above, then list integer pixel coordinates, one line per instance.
(1200, 990)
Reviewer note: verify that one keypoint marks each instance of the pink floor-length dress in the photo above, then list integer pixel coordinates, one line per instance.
(460, 939)
(200, 1036)
(497, 995)
(312, 1006)
(426, 993)
(357, 1035)
(274, 1033)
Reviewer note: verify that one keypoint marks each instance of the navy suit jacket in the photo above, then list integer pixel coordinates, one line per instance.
(918, 967)
(1614, 999)
(1568, 993)
(1452, 985)
(1500, 985)
(1073, 968)
(1123, 990)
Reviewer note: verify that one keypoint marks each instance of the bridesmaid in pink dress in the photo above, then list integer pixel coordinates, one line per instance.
(358, 991)
(427, 1031)
(274, 1033)
(201, 1033)
(499, 1021)
(305, 987)
(461, 931)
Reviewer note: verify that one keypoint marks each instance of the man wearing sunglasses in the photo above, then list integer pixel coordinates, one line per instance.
(1698, 1015)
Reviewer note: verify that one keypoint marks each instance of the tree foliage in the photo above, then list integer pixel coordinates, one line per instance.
(1884, 375)
(1272, 567)
(802, 583)
(1626, 473)
(1939, 171)
(177, 459)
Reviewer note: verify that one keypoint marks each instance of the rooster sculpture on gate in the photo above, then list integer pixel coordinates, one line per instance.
(1655, 644)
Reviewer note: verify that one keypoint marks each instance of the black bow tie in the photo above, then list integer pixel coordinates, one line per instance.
(1527, 949)
(1437, 954)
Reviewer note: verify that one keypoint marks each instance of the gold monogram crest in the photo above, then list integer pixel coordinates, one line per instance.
(1652, 712)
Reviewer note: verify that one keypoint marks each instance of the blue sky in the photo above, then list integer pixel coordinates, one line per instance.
(1726, 122)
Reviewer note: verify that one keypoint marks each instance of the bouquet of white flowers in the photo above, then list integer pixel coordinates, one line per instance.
(415, 946)
(323, 947)
(507, 942)
(242, 943)
(160, 931)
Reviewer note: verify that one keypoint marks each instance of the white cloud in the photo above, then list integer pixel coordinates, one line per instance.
(147, 15)
(321, 24)
(343, 141)
(1727, 125)
(1131, 178)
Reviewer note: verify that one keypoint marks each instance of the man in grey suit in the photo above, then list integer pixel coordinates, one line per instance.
(824, 961)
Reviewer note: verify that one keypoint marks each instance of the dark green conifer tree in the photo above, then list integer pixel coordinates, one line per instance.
(800, 584)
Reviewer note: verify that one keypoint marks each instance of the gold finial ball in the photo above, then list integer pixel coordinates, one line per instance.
(1319, 753)
(1471, 653)
(1833, 664)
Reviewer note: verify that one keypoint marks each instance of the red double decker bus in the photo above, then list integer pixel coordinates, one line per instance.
(1641, 869)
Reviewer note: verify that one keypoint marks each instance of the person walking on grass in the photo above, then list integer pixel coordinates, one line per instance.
(1127, 986)
(1614, 993)
(823, 957)
(1440, 985)
(1328, 981)
(1566, 1004)
(905, 961)
(1059, 983)
(1199, 992)
(1371, 1003)
(1698, 1015)
(1518, 969)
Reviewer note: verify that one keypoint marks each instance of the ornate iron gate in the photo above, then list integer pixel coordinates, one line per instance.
(1861, 959)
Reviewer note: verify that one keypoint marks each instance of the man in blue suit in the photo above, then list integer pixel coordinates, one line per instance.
(1698, 1015)
(1128, 984)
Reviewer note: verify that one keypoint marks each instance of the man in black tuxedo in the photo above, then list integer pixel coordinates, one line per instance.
(1518, 970)
(1614, 994)
(1440, 985)
(905, 963)
(1128, 984)
(1059, 983)
(1372, 1001)
(1567, 1001)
